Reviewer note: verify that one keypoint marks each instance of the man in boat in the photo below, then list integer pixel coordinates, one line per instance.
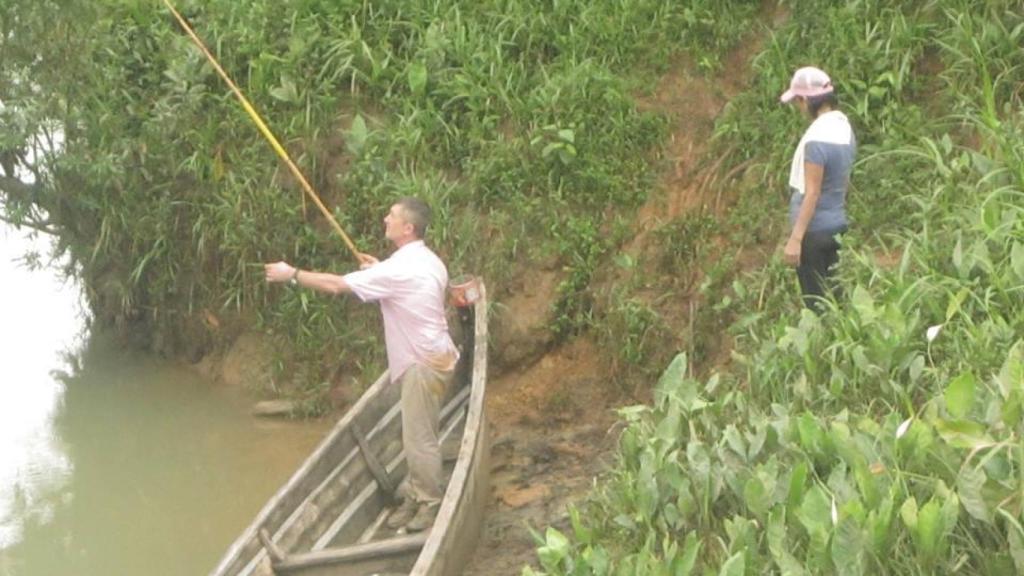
(410, 287)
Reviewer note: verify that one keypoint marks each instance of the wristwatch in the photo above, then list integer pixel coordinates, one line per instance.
(294, 280)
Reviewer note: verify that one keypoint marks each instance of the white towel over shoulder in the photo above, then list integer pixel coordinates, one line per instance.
(831, 127)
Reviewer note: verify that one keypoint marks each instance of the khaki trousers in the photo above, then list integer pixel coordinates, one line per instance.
(422, 390)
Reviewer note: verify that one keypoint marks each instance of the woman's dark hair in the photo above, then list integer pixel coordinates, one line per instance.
(814, 103)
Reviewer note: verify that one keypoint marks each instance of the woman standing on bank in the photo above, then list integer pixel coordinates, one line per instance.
(818, 179)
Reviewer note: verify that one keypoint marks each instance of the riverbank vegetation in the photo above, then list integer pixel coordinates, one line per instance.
(516, 121)
(883, 437)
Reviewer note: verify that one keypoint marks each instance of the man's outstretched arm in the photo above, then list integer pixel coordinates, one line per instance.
(279, 272)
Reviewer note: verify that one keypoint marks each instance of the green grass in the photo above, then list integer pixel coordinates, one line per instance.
(883, 437)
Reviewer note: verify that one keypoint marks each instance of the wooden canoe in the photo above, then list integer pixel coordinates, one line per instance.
(328, 519)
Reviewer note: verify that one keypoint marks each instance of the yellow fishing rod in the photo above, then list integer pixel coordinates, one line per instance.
(264, 130)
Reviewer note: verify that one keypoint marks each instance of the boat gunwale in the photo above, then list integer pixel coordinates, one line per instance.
(473, 450)
(314, 459)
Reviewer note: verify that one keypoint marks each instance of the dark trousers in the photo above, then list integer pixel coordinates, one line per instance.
(819, 253)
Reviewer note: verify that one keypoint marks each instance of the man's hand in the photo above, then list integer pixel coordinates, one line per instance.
(278, 272)
(366, 261)
(791, 253)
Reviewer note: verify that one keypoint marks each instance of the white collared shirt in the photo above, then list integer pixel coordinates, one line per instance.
(410, 286)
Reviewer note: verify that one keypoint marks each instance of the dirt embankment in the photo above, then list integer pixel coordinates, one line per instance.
(550, 431)
(552, 412)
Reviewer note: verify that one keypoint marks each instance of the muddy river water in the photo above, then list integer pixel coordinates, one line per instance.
(114, 462)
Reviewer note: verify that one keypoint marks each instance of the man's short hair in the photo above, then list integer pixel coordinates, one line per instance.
(417, 213)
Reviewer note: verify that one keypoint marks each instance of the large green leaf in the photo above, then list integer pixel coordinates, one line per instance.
(734, 566)
(935, 521)
(669, 426)
(1017, 260)
(357, 135)
(963, 433)
(797, 482)
(816, 511)
(580, 530)
(969, 485)
(286, 92)
(866, 483)
(756, 441)
(1011, 376)
(683, 565)
(555, 549)
(418, 78)
(956, 302)
(1016, 540)
(848, 547)
(917, 440)
(756, 496)
(735, 441)
(960, 395)
(908, 512)
(879, 526)
(674, 383)
(958, 255)
(812, 436)
(673, 375)
(929, 530)
(778, 545)
(699, 460)
(864, 304)
(597, 559)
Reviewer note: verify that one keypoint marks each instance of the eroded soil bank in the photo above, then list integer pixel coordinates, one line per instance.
(553, 433)
(554, 420)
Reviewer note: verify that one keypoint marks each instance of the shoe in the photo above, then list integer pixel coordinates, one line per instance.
(403, 514)
(424, 517)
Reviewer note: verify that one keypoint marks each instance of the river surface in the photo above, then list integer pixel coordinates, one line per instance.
(114, 462)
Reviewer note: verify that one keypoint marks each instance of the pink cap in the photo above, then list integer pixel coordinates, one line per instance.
(807, 82)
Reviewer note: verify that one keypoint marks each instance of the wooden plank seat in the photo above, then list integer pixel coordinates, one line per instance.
(393, 554)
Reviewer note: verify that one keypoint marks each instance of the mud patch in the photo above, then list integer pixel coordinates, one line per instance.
(553, 419)
(551, 427)
(535, 477)
(562, 386)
